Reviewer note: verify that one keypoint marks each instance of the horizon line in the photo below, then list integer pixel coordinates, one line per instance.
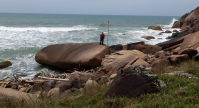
(79, 14)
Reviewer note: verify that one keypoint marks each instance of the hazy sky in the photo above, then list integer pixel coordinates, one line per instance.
(101, 7)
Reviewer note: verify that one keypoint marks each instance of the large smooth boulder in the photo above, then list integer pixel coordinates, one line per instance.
(145, 48)
(5, 64)
(132, 83)
(148, 37)
(120, 59)
(68, 56)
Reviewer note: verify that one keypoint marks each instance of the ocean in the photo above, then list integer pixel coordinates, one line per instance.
(23, 35)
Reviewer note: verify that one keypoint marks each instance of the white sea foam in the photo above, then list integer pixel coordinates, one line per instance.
(47, 29)
(170, 25)
(137, 34)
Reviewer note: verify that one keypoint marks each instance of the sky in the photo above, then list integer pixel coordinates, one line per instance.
(100, 7)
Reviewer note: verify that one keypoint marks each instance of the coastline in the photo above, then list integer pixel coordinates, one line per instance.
(119, 67)
(32, 34)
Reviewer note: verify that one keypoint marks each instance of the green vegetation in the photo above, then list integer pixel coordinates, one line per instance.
(180, 92)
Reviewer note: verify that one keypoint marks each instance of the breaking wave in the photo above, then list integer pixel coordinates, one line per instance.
(47, 29)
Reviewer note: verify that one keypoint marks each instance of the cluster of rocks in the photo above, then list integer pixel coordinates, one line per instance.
(188, 22)
(158, 28)
(127, 67)
(183, 45)
(186, 41)
(60, 85)
(136, 78)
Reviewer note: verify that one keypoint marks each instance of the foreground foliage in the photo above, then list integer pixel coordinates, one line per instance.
(180, 92)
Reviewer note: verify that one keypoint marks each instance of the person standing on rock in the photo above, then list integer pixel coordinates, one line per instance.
(102, 36)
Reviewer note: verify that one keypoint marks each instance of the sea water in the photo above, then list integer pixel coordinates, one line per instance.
(23, 35)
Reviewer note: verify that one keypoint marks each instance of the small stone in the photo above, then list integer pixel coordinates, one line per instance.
(90, 83)
(113, 76)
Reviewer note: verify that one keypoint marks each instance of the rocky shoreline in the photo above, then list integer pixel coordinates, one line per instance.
(122, 67)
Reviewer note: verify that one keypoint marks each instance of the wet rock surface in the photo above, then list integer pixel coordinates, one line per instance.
(5, 64)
